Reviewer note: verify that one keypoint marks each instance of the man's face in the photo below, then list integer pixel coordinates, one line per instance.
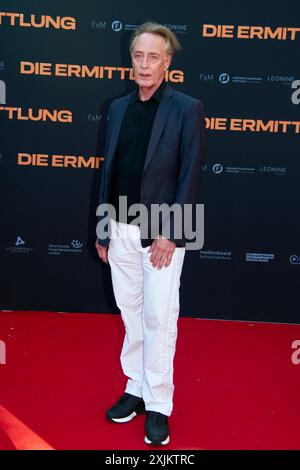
(149, 59)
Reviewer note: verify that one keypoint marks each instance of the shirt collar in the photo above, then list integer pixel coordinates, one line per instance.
(157, 95)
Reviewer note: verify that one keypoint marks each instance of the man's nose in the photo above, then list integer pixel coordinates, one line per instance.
(144, 62)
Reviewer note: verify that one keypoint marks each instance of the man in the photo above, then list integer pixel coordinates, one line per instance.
(153, 155)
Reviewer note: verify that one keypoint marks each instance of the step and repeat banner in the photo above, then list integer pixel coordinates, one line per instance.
(62, 62)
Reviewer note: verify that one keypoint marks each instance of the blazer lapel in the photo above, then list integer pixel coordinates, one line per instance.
(158, 125)
(116, 126)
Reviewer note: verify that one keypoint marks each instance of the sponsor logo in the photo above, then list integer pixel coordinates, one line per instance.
(260, 257)
(215, 254)
(20, 247)
(116, 26)
(75, 246)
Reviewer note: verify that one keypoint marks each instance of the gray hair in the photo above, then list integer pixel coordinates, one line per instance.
(172, 43)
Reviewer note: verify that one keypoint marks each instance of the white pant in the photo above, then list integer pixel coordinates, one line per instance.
(148, 299)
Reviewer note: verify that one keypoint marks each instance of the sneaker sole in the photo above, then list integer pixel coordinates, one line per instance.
(158, 443)
(128, 418)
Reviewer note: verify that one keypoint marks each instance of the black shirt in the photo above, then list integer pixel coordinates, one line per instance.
(131, 150)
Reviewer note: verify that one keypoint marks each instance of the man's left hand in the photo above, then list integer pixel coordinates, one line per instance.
(162, 251)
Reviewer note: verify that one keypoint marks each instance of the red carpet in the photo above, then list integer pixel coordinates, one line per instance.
(235, 384)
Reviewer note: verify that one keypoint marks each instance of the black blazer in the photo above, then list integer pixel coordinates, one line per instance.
(174, 157)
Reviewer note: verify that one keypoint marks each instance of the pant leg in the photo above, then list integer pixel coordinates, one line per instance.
(160, 315)
(127, 279)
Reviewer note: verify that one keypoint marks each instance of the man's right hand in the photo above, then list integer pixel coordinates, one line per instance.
(102, 252)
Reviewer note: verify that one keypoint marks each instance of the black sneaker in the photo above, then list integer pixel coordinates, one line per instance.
(157, 429)
(126, 409)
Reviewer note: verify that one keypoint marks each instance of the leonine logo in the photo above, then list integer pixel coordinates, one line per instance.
(37, 21)
(282, 33)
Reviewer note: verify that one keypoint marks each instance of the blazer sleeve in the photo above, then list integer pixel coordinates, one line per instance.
(192, 149)
(103, 189)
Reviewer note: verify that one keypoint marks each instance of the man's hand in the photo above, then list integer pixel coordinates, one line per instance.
(102, 252)
(162, 251)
